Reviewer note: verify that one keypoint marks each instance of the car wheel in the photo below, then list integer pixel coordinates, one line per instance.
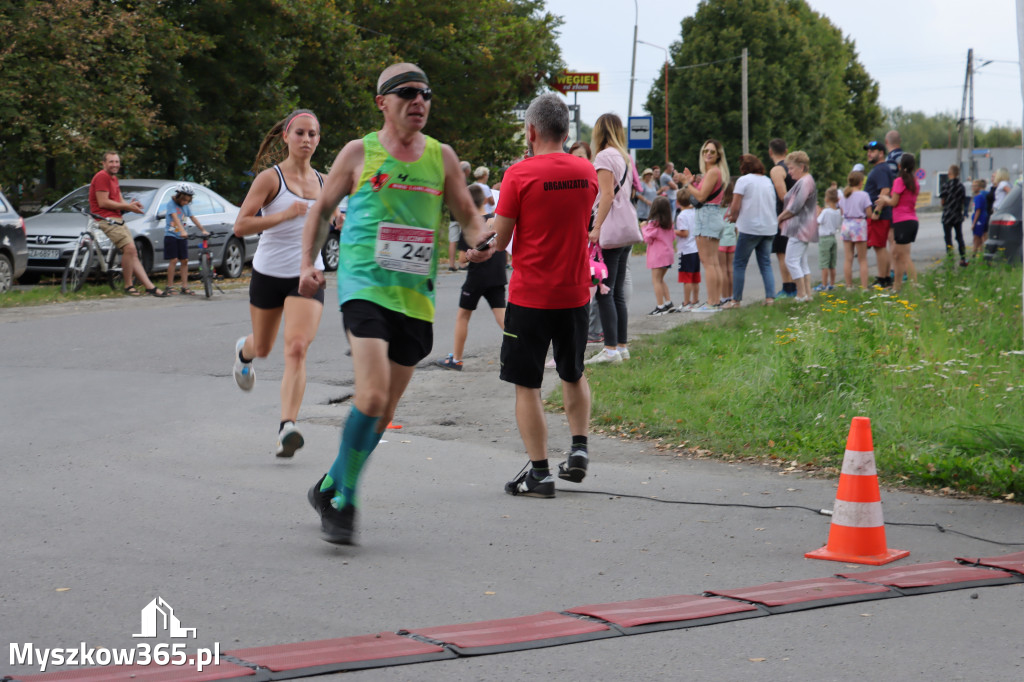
(234, 259)
(145, 256)
(6, 273)
(331, 253)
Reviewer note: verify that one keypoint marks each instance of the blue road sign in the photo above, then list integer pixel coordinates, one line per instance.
(641, 132)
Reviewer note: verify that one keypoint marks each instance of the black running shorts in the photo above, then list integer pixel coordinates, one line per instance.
(529, 331)
(269, 293)
(409, 340)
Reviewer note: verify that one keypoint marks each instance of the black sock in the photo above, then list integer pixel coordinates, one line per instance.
(789, 287)
(281, 427)
(541, 469)
(242, 357)
(579, 443)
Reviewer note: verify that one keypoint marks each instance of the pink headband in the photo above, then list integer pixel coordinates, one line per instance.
(289, 125)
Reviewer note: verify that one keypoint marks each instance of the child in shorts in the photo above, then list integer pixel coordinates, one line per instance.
(176, 236)
(727, 246)
(686, 252)
(830, 221)
(486, 280)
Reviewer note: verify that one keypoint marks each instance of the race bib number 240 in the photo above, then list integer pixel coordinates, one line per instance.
(403, 248)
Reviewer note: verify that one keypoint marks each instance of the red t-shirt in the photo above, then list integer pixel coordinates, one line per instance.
(104, 182)
(550, 197)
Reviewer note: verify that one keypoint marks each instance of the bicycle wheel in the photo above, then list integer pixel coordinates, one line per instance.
(206, 272)
(115, 275)
(77, 269)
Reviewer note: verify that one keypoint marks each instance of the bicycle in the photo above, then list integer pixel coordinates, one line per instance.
(206, 263)
(88, 255)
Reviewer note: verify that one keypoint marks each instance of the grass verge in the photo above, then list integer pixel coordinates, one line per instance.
(928, 366)
(48, 291)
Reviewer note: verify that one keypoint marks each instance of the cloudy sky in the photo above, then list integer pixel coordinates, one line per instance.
(917, 51)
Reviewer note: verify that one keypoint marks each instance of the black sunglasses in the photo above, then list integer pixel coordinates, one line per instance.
(409, 92)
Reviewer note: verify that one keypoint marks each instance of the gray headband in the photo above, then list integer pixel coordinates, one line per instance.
(407, 77)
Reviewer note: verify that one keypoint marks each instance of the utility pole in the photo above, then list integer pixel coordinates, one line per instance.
(970, 130)
(746, 125)
(963, 115)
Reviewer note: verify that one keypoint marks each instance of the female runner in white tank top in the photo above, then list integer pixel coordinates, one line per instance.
(276, 206)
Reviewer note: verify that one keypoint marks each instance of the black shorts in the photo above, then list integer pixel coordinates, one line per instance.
(528, 331)
(268, 293)
(495, 296)
(780, 243)
(175, 247)
(904, 232)
(409, 340)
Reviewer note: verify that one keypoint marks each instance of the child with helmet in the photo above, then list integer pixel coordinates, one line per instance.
(176, 236)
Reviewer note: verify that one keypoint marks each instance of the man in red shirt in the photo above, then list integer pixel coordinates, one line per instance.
(105, 201)
(547, 197)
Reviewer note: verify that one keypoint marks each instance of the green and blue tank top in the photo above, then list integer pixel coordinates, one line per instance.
(387, 250)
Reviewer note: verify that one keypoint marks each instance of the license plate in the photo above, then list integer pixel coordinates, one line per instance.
(44, 254)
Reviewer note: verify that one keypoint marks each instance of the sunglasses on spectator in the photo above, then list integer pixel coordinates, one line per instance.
(710, 150)
(409, 92)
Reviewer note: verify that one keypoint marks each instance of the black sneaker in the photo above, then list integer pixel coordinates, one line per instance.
(318, 499)
(574, 468)
(526, 484)
(336, 526)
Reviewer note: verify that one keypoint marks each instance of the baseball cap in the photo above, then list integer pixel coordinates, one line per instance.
(647, 171)
(858, 167)
(874, 144)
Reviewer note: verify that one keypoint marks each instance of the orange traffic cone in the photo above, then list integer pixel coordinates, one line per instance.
(857, 534)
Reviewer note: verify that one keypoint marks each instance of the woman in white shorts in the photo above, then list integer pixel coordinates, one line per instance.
(799, 221)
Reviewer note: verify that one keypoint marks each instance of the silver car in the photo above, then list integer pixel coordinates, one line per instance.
(13, 253)
(52, 233)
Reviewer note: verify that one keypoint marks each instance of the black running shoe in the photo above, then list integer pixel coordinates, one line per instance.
(336, 526)
(318, 499)
(574, 468)
(526, 484)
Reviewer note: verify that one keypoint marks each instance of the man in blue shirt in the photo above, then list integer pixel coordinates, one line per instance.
(879, 183)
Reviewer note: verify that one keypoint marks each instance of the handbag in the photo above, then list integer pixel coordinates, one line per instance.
(598, 269)
(593, 211)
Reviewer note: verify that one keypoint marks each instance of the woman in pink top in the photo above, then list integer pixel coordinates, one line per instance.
(903, 199)
(658, 233)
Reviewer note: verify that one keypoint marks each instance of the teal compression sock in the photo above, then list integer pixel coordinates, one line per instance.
(359, 437)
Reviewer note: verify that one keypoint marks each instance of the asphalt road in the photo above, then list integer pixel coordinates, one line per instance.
(133, 468)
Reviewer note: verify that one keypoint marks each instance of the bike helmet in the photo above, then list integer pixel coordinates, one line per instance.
(184, 188)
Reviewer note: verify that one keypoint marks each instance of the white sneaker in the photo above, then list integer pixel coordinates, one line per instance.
(289, 440)
(624, 353)
(604, 356)
(245, 375)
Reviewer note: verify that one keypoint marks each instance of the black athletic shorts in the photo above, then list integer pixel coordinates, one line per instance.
(495, 296)
(409, 340)
(780, 243)
(268, 293)
(905, 231)
(528, 331)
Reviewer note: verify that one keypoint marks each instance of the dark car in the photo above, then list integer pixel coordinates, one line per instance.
(1004, 229)
(52, 233)
(13, 247)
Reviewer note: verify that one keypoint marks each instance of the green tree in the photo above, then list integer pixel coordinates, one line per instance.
(918, 130)
(482, 58)
(806, 86)
(74, 84)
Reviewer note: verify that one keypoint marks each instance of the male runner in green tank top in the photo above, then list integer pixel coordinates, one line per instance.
(396, 179)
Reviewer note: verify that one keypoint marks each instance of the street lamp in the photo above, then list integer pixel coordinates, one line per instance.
(632, 70)
(666, 92)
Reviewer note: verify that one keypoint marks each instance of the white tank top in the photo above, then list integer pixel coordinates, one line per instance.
(279, 251)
